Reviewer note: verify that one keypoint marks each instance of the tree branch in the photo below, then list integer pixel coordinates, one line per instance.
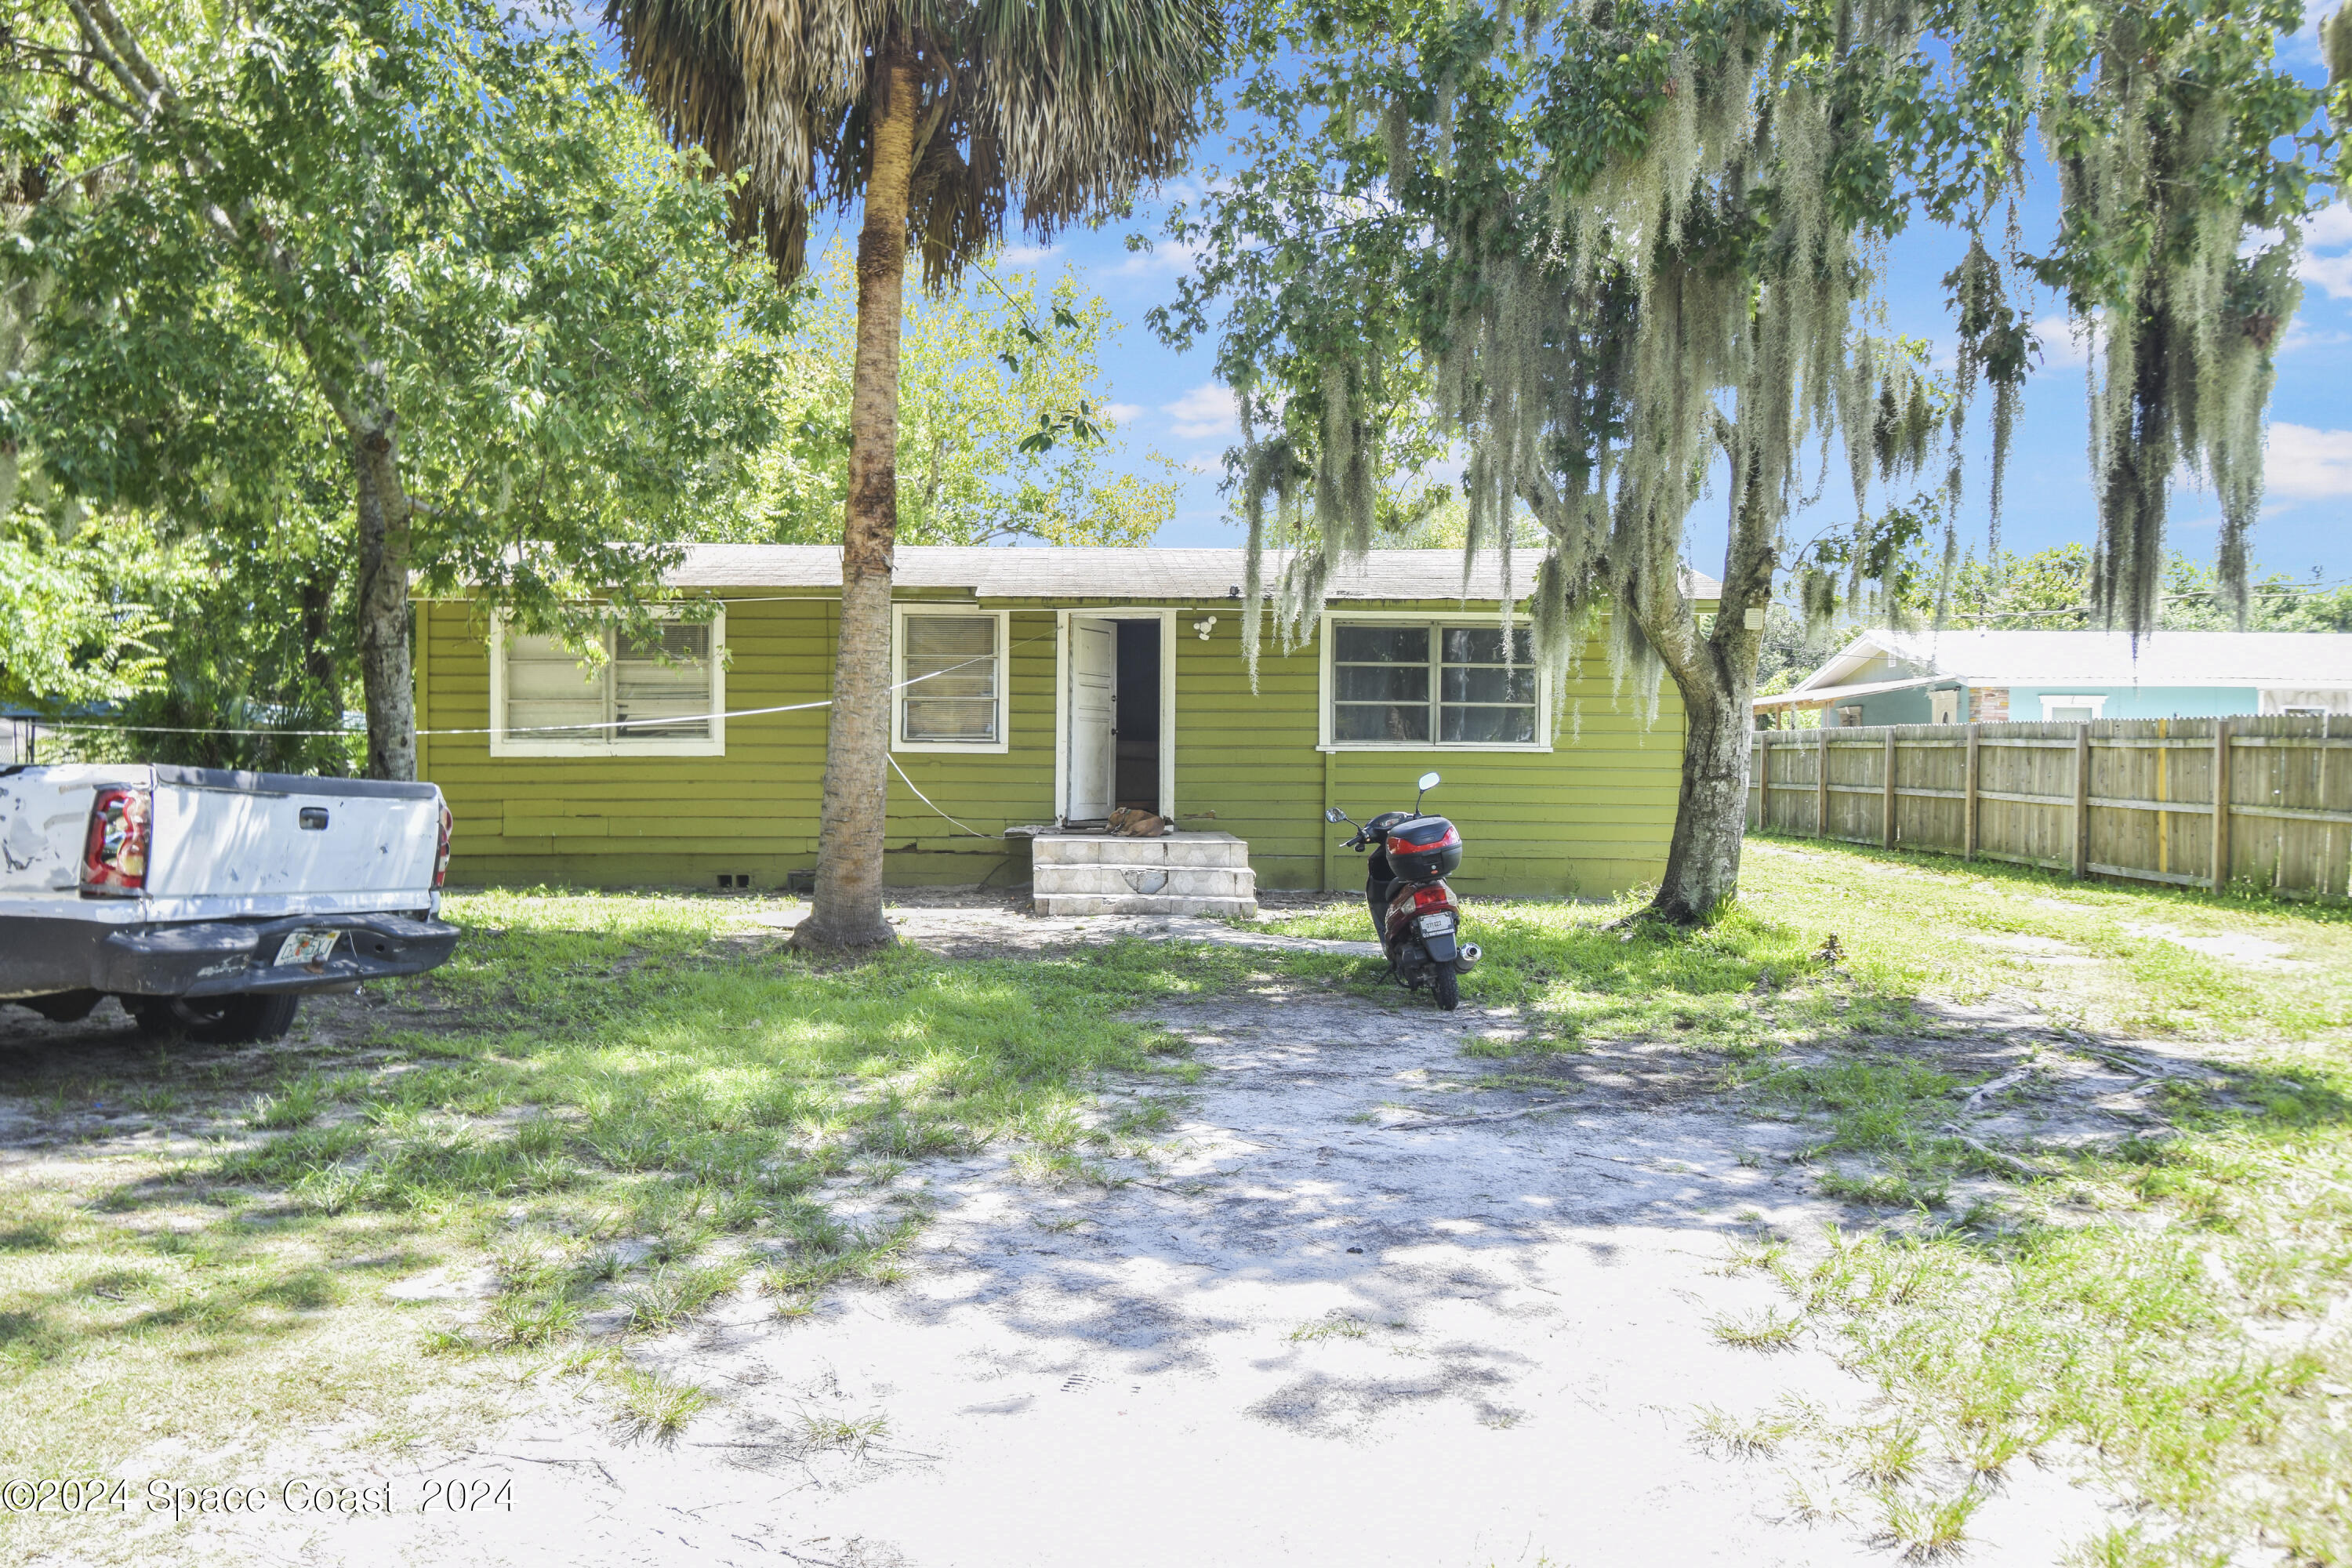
(103, 52)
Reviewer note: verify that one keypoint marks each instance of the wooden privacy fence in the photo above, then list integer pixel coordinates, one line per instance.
(2198, 802)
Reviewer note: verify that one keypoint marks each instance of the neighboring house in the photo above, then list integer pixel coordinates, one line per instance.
(1037, 686)
(1963, 676)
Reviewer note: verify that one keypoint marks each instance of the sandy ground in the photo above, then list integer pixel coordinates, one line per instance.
(1339, 1320)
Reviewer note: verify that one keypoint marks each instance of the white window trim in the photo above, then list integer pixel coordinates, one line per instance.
(1323, 742)
(611, 742)
(899, 615)
(2051, 700)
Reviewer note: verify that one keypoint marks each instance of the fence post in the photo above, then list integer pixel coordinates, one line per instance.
(1821, 783)
(1887, 796)
(2221, 803)
(1763, 783)
(1968, 800)
(2082, 801)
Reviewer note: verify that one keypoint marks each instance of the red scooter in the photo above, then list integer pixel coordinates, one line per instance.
(1413, 911)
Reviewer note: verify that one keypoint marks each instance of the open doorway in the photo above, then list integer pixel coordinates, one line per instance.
(1136, 732)
(1114, 710)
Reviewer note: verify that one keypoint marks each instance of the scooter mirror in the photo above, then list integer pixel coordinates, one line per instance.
(1428, 782)
(1333, 814)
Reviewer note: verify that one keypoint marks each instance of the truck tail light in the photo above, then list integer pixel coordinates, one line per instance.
(441, 854)
(114, 860)
(1433, 897)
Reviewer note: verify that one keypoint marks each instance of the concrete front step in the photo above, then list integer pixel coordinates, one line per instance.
(1176, 881)
(1204, 849)
(1143, 904)
(1175, 873)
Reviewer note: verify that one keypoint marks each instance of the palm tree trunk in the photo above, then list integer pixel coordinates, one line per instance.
(848, 904)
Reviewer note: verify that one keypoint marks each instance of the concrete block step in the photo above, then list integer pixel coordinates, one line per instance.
(1177, 881)
(1143, 904)
(1176, 849)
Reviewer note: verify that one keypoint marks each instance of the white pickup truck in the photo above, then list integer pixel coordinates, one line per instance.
(211, 901)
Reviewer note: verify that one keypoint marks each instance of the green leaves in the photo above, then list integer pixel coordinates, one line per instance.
(1003, 419)
(364, 219)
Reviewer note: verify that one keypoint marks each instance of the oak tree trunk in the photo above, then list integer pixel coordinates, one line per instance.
(1715, 673)
(386, 674)
(848, 902)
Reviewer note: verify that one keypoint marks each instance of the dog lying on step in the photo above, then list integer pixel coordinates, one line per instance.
(1136, 822)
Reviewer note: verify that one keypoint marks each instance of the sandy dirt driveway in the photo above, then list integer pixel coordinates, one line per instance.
(1357, 1312)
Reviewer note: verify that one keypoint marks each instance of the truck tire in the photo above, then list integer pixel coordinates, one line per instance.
(218, 1020)
(1447, 983)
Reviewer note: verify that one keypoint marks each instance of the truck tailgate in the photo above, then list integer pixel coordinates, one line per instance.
(272, 836)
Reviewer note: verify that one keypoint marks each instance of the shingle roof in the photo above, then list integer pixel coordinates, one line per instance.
(2104, 659)
(1071, 572)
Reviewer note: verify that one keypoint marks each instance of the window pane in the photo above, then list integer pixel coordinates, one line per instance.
(1509, 726)
(1484, 645)
(548, 686)
(950, 666)
(665, 676)
(938, 636)
(1372, 721)
(1475, 683)
(1379, 645)
(1381, 682)
(951, 719)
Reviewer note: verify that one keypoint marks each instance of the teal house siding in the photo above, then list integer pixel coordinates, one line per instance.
(2129, 701)
(1959, 675)
(1913, 706)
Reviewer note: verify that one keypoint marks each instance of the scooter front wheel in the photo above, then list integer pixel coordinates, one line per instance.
(1447, 983)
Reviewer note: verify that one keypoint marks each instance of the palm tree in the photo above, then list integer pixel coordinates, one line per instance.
(942, 114)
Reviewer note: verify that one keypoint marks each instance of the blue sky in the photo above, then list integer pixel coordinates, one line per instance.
(1170, 401)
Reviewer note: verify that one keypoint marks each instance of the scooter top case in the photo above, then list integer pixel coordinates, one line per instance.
(1424, 848)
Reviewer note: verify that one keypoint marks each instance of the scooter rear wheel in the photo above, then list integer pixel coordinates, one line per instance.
(1448, 986)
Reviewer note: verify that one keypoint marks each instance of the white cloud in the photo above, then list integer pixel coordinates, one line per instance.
(1027, 255)
(2328, 228)
(2300, 337)
(2304, 464)
(1122, 412)
(1207, 410)
(2063, 347)
(1166, 256)
(2331, 273)
(1205, 465)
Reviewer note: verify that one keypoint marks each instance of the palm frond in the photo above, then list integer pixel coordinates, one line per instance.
(1067, 106)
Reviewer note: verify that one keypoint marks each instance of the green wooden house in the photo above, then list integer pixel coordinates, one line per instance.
(1039, 687)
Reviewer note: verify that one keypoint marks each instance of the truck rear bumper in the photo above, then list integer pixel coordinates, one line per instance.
(211, 958)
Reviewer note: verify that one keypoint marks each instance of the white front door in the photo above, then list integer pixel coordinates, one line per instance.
(1094, 710)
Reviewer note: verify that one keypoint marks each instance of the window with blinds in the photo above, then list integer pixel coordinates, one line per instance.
(1402, 684)
(951, 678)
(658, 692)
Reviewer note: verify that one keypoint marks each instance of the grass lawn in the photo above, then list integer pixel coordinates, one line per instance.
(603, 1113)
(609, 1110)
(2174, 1302)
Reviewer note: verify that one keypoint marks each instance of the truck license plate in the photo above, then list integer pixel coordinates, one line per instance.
(306, 946)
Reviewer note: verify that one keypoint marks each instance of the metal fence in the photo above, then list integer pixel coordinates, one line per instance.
(2197, 801)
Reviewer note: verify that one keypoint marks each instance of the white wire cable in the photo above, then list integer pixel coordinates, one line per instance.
(967, 826)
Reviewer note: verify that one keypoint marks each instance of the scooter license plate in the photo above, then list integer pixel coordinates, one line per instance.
(1433, 924)
(306, 946)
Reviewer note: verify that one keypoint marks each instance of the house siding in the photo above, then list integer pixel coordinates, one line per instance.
(1996, 704)
(1590, 818)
